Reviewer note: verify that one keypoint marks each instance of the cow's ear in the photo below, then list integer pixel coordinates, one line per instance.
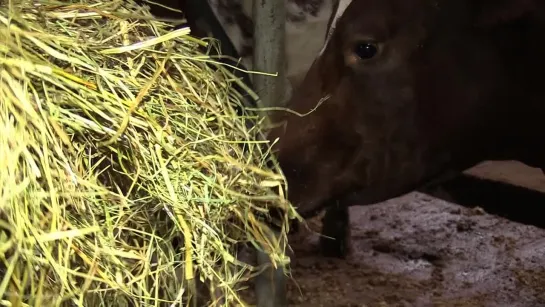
(491, 13)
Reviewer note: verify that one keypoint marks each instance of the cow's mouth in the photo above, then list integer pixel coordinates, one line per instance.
(314, 207)
(307, 214)
(356, 195)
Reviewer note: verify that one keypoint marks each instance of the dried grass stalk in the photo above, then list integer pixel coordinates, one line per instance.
(117, 139)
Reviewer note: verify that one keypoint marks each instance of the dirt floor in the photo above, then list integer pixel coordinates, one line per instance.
(417, 250)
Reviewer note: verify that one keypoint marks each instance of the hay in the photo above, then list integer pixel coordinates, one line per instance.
(118, 139)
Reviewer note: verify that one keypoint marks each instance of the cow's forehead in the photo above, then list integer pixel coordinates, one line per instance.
(340, 10)
(378, 12)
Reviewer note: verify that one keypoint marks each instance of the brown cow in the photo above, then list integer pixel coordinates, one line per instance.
(407, 91)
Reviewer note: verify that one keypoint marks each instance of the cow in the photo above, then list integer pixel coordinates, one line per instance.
(406, 93)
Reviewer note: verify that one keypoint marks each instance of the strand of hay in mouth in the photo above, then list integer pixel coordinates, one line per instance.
(118, 141)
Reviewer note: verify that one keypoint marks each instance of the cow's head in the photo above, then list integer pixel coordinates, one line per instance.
(403, 90)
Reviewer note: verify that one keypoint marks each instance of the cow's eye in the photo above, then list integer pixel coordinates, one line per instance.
(365, 50)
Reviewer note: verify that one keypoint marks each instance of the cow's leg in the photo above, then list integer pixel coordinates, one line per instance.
(335, 237)
(270, 285)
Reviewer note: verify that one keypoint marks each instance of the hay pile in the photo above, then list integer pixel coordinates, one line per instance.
(121, 161)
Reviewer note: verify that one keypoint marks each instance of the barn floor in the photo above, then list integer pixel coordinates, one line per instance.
(417, 250)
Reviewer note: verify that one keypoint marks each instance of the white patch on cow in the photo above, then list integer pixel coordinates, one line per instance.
(340, 10)
(303, 39)
(233, 30)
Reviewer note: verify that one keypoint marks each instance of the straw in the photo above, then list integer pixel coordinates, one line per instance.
(126, 171)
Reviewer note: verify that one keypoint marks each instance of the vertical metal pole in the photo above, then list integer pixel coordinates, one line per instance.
(270, 285)
(269, 56)
(269, 51)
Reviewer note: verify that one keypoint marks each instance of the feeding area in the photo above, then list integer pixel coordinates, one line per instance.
(133, 175)
(129, 175)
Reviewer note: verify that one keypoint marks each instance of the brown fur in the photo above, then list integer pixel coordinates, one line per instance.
(456, 82)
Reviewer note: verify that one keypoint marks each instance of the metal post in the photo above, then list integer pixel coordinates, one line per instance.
(270, 285)
(269, 56)
(269, 51)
